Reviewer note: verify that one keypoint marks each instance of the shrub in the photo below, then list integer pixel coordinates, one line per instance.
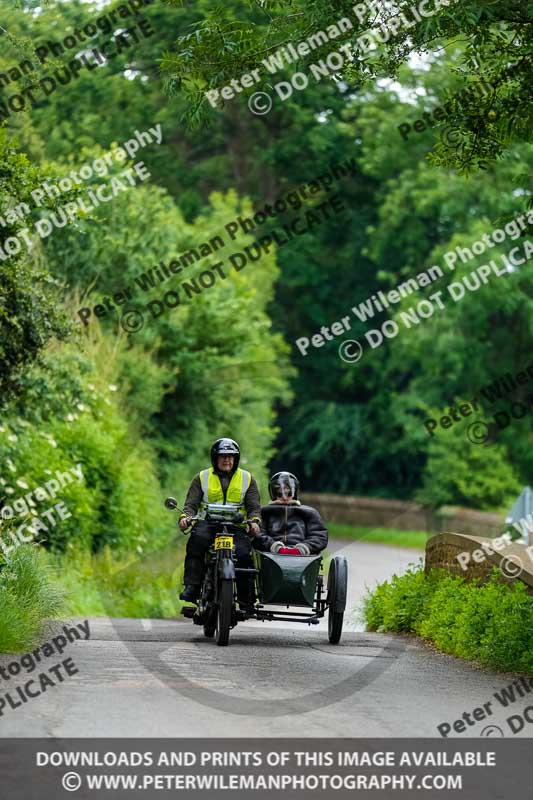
(491, 624)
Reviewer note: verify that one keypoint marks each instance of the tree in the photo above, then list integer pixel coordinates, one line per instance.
(495, 41)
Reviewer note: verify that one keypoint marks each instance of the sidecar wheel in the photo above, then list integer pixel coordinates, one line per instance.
(335, 620)
(225, 604)
(337, 587)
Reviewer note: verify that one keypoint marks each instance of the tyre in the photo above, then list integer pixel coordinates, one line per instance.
(337, 587)
(225, 607)
(335, 620)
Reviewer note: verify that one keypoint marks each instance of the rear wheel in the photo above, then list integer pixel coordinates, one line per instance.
(225, 605)
(337, 587)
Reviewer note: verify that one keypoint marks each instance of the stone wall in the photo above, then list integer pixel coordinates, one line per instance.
(377, 513)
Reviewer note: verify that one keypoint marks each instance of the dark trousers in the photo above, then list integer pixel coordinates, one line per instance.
(197, 546)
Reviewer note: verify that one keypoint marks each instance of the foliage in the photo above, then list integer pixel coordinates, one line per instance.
(227, 42)
(218, 363)
(68, 415)
(467, 473)
(29, 312)
(29, 597)
(121, 585)
(491, 624)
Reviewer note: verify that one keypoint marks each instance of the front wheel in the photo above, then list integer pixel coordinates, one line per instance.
(225, 606)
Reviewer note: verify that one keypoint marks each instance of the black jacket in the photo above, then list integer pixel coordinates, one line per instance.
(291, 524)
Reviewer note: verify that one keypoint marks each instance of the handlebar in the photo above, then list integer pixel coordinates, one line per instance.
(235, 519)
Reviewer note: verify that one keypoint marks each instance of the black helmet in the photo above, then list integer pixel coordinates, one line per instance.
(225, 447)
(282, 484)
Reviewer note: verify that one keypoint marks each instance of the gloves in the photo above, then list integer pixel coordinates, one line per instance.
(302, 548)
(254, 528)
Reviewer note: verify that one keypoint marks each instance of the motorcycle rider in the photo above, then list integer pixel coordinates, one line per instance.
(224, 483)
(288, 523)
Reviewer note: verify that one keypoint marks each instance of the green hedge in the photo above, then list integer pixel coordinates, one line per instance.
(490, 623)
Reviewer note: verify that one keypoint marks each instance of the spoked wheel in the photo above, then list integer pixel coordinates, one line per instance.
(225, 604)
(337, 587)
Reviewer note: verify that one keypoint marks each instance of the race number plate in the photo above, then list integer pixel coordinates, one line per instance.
(223, 542)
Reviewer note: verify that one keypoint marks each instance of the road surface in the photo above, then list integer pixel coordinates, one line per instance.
(162, 678)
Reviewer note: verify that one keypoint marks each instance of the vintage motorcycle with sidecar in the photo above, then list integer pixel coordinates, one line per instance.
(282, 579)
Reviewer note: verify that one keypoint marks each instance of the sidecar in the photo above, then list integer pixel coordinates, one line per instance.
(298, 581)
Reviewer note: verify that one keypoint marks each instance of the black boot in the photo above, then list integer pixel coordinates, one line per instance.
(190, 593)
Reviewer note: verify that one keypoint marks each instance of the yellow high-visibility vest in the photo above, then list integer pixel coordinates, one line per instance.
(238, 486)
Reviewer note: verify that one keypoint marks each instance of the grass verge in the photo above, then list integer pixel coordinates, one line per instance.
(491, 624)
(114, 584)
(412, 539)
(28, 597)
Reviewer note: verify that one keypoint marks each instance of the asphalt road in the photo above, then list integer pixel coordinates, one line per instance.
(162, 678)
